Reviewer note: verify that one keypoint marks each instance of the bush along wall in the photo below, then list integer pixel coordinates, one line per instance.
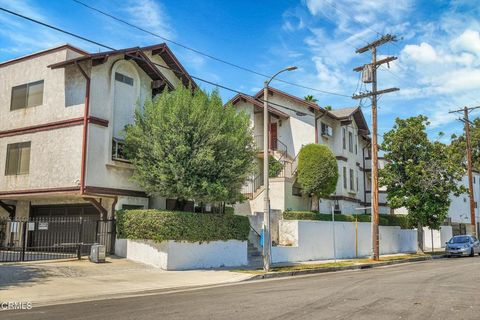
(384, 220)
(161, 225)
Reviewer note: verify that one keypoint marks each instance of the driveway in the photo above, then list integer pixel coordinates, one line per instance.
(435, 289)
(68, 281)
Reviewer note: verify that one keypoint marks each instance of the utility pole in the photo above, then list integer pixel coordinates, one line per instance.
(370, 76)
(267, 238)
(466, 121)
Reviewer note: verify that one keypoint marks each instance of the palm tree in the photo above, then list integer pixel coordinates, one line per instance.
(310, 98)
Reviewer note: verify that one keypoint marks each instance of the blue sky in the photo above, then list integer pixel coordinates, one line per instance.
(439, 47)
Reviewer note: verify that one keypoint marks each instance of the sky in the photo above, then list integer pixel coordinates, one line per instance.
(438, 46)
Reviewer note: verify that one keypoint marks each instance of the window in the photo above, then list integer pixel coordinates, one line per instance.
(296, 190)
(345, 177)
(132, 207)
(27, 95)
(356, 144)
(123, 78)
(18, 158)
(327, 130)
(352, 178)
(344, 141)
(357, 183)
(350, 141)
(118, 150)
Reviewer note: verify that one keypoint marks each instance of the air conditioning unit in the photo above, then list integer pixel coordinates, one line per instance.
(97, 253)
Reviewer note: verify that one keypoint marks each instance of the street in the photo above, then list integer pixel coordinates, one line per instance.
(438, 289)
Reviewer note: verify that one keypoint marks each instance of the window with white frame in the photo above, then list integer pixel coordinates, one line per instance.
(118, 150)
(344, 138)
(326, 130)
(345, 185)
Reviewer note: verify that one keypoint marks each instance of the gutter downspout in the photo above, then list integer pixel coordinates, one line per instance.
(85, 129)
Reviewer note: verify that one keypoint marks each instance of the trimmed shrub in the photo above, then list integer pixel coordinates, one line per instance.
(401, 221)
(160, 225)
(384, 220)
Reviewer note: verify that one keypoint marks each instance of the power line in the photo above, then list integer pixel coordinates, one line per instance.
(139, 58)
(205, 54)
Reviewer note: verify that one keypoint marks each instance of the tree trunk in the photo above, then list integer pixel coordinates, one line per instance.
(420, 237)
(314, 203)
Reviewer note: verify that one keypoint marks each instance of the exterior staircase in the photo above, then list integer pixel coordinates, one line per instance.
(255, 259)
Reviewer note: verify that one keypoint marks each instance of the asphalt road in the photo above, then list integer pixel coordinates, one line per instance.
(439, 289)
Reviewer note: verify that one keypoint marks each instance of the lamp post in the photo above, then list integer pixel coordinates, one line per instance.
(267, 241)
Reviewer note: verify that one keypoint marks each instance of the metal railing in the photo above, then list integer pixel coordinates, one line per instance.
(294, 165)
(252, 185)
(46, 238)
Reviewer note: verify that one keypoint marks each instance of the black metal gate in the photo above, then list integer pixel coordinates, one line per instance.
(45, 238)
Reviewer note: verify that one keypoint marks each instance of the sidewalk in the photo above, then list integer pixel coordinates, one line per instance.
(56, 282)
(279, 270)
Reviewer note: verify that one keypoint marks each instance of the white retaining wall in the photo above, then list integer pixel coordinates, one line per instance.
(439, 237)
(173, 255)
(313, 240)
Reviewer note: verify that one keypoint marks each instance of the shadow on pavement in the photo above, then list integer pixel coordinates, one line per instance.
(13, 275)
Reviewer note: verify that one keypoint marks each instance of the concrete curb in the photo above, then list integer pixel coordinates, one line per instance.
(273, 275)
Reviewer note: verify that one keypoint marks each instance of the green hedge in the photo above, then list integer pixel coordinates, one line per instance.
(384, 220)
(185, 226)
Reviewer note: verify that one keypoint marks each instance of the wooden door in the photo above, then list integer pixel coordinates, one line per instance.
(273, 136)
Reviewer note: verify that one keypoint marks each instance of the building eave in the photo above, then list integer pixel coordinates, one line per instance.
(43, 52)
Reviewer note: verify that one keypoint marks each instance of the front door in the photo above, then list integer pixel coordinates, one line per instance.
(273, 136)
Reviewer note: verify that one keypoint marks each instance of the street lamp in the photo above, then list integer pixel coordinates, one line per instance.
(267, 241)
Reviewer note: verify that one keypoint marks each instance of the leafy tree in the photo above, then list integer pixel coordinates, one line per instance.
(459, 143)
(274, 167)
(310, 98)
(420, 174)
(317, 172)
(187, 145)
(329, 108)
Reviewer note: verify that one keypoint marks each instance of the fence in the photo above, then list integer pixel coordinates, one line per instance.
(46, 238)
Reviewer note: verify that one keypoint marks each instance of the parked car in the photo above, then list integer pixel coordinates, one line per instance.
(465, 245)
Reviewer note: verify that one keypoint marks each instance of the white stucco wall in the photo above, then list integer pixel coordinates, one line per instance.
(313, 240)
(459, 210)
(55, 158)
(172, 255)
(53, 107)
(439, 237)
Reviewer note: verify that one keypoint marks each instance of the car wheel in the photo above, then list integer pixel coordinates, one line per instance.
(472, 253)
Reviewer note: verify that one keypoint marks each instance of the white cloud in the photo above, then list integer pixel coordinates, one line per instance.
(469, 41)
(150, 15)
(423, 53)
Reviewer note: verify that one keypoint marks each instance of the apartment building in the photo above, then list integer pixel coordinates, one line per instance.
(63, 111)
(294, 122)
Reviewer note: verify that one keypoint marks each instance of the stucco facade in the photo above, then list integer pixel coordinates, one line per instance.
(294, 123)
(87, 99)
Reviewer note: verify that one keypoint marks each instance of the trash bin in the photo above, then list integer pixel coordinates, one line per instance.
(97, 253)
